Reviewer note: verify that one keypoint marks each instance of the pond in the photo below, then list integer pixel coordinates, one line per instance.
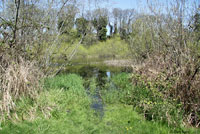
(102, 75)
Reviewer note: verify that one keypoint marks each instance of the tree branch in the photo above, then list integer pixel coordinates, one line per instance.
(17, 4)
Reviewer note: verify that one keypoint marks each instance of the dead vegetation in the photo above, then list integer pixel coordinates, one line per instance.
(167, 49)
(19, 78)
(174, 81)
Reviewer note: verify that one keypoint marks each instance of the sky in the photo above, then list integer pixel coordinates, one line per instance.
(139, 5)
(124, 4)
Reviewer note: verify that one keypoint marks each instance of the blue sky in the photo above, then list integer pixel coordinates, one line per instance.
(124, 4)
(137, 4)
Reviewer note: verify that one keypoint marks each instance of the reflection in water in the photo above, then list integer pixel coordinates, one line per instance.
(97, 103)
(108, 74)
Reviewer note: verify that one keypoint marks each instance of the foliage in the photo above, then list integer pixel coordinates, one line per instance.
(178, 92)
(65, 27)
(66, 18)
(89, 39)
(92, 85)
(100, 25)
(102, 34)
(123, 34)
(196, 25)
(81, 26)
(145, 99)
(114, 48)
(140, 41)
(168, 64)
(166, 70)
(154, 104)
(197, 22)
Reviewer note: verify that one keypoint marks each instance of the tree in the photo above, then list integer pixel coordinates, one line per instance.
(100, 26)
(196, 25)
(117, 18)
(66, 19)
(115, 29)
(162, 40)
(123, 20)
(102, 34)
(81, 26)
(111, 29)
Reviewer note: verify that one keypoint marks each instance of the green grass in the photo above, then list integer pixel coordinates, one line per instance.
(118, 119)
(70, 81)
(64, 108)
(118, 90)
(123, 120)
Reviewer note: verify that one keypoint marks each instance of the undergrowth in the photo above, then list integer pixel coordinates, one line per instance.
(147, 101)
(64, 107)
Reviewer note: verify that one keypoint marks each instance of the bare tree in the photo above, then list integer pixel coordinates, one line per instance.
(163, 42)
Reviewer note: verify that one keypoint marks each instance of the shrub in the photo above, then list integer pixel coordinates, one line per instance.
(176, 86)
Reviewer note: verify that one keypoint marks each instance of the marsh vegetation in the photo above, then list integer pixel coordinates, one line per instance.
(71, 66)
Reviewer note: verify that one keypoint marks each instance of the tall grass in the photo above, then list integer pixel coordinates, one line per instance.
(19, 78)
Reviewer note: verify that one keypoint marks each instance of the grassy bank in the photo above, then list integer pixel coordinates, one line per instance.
(149, 103)
(113, 48)
(64, 107)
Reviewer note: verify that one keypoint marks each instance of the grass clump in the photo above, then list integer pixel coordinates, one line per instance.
(19, 78)
(65, 82)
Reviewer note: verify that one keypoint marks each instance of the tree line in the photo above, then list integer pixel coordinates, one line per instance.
(24, 22)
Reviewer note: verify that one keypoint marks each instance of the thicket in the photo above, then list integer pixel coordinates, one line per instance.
(24, 32)
(166, 48)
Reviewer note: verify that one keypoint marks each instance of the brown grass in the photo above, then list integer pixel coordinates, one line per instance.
(19, 78)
